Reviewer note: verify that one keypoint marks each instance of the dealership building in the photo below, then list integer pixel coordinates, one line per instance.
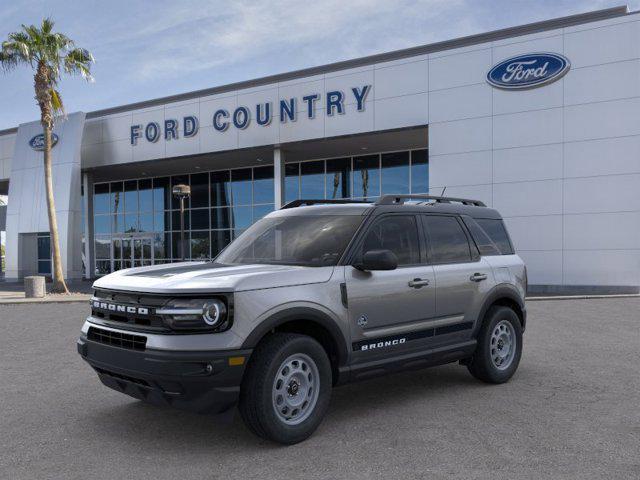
(540, 121)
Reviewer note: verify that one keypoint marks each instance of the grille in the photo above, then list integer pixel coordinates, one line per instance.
(132, 298)
(117, 339)
(150, 321)
(147, 321)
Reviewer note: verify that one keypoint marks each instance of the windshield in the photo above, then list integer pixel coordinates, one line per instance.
(311, 241)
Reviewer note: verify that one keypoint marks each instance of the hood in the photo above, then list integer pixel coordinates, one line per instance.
(199, 277)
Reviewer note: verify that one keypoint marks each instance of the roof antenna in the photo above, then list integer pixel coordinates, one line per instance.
(443, 190)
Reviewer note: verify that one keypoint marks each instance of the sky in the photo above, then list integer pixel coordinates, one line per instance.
(149, 49)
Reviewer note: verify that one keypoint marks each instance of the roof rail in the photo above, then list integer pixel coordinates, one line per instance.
(301, 202)
(400, 199)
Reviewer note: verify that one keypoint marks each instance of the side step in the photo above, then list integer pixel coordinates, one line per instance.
(409, 361)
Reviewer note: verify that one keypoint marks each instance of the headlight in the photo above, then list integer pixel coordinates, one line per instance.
(195, 314)
(214, 312)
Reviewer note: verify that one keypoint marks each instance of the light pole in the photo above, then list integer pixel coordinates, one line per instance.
(181, 192)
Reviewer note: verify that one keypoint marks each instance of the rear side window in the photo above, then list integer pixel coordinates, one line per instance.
(497, 233)
(447, 240)
(484, 243)
(398, 234)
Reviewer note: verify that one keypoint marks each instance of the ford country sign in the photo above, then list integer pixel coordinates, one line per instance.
(283, 110)
(37, 142)
(528, 71)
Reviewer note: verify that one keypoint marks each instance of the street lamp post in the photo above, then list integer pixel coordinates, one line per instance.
(181, 192)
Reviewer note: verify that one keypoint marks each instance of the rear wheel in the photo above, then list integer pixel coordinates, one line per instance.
(499, 346)
(287, 387)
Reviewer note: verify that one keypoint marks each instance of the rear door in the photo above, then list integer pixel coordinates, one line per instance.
(462, 277)
(384, 306)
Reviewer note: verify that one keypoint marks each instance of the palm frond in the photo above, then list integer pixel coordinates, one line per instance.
(35, 35)
(12, 53)
(8, 61)
(56, 101)
(78, 62)
(47, 25)
(20, 42)
(16, 50)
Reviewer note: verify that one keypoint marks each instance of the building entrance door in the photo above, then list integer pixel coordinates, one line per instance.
(131, 251)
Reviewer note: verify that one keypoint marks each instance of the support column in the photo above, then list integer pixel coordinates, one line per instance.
(87, 205)
(3, 227)
(27, 213)
(278, 177)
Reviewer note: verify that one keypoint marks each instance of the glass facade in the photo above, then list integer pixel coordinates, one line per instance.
(137, 222)
(364, 177)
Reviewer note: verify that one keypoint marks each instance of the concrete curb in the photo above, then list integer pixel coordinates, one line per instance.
(582, 297)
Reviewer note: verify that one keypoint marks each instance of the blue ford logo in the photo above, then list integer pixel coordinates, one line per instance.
(528, 71)
(37, 142)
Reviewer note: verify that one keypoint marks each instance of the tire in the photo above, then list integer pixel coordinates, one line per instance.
(287, 372)
(501, 330)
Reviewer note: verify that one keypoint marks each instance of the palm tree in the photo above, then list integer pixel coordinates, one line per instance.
(48, 54)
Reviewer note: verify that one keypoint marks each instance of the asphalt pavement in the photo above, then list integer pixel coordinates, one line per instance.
(572, 411)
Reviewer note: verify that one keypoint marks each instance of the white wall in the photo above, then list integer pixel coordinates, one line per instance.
(561, 162)
(6, 153)
(27, 208)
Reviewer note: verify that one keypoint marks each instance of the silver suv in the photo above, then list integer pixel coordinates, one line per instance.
(314, 295)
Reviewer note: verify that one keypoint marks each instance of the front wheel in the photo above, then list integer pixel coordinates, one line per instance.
(286, 390)
(499, 346)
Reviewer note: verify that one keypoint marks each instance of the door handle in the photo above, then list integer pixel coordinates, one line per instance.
(418, 282)
(478, 277)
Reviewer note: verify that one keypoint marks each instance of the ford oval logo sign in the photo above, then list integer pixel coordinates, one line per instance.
(37, 142)
(528, 71)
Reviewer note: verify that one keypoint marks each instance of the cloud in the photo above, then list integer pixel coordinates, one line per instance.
(195, 38)
(203, 35)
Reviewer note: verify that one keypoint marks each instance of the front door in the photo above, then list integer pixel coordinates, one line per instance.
(388, 309)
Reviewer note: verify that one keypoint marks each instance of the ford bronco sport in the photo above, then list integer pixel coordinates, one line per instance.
(314, 295)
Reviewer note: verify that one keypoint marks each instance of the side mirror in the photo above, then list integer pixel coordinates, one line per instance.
(378, 260)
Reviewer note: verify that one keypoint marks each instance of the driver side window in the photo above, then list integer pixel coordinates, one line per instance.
(396, 233)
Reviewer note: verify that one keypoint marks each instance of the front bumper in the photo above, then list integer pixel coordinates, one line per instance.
(202, 382)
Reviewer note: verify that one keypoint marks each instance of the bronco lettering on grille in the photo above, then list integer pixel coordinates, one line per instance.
(113, 307)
